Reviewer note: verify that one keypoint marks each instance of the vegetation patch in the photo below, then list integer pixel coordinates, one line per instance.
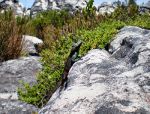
(94, 31)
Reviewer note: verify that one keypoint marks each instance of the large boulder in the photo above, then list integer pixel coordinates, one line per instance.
(31, 45)
(106, 8)
(145, 7)
(13, 106)
(116, 81)
(42, 5)
(27, 12)
(12, 73)
(15, 5)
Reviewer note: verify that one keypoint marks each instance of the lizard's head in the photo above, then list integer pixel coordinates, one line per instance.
(76, 45)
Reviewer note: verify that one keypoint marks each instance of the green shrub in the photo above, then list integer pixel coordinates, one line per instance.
(48, 80)
(53, 60)
(89, 10)
(100, 36)
(132, 10)
(93, 35)
(51, 25)
(47, 18)
(132, 2)
(123, 12)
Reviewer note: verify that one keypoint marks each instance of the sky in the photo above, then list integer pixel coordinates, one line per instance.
(28, 3)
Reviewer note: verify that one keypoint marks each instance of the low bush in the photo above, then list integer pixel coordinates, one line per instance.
(48, 80)
(53, 60)
(93, 32)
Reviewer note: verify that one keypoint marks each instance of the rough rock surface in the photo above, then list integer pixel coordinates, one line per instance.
(117, 82)
(41, 5)
(30, 44)
(8, 106)
(145, 7)
(27, 12)
(106, 8)
(11, 73)
(15, 5)
(19, 69)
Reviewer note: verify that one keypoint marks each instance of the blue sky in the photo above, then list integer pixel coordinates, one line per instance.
(28, 3)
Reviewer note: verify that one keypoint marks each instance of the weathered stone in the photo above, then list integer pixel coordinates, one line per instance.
(42, 5)
(12, 72)
(106, 8)
(16, 107)
(145, 8)
(114, 82)
(15, 5)
(30, 43)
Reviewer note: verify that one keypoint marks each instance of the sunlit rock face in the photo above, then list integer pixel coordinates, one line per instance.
(145, 7)
(41, 5)
(112, 81)
(30, 45)
(15, 5)
(27, 12)
(106, 8)
(13, 72)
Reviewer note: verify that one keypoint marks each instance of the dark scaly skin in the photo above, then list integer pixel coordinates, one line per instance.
(68, 64)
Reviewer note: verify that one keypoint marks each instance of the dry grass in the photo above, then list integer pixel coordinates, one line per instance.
(10, 37)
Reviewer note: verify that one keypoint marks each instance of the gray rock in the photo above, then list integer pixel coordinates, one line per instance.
(30, 45)
(11, 73)
(106, 8)
(27, 12)
(42, 5)
(15, 5)
(145, 8)
(16, 107)
(114, 82)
